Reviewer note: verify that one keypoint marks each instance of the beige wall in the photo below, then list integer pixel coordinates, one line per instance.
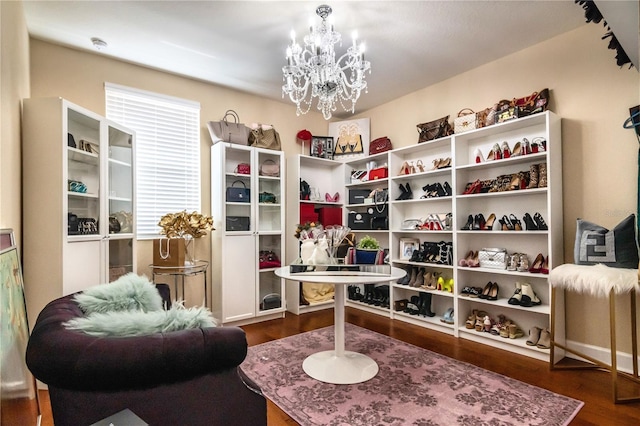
(80, 76)
(588, 90)
(14, 86)
(600, 157)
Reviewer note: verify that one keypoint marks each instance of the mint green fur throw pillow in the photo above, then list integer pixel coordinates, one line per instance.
(127, 293)
(139, 323)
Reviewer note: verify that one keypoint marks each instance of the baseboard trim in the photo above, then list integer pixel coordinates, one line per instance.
(625, 360)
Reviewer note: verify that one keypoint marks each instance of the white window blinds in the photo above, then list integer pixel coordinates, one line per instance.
(167, 152)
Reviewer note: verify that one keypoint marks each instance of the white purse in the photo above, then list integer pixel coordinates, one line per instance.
(494, 258)
(466, 120)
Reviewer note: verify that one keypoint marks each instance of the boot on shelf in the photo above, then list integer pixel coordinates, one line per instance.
(425, 305)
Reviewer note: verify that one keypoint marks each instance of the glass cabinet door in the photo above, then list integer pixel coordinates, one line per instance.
(120, 226)
(83, 176)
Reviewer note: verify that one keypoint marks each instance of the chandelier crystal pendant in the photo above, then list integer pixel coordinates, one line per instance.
(314, 72)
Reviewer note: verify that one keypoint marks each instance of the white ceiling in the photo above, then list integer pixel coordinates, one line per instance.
(241, 44)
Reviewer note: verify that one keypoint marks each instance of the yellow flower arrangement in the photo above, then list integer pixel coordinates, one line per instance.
(178, 225)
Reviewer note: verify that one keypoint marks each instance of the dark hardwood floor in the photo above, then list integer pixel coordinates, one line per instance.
(591, 387)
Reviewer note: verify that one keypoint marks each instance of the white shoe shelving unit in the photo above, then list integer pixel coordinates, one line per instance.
(463, 169)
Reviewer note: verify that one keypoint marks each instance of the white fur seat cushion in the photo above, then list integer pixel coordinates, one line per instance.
(596, 280)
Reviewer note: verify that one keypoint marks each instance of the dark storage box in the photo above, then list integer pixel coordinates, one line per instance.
(357, 196)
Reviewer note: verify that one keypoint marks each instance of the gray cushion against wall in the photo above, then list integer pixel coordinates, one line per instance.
(616, 248)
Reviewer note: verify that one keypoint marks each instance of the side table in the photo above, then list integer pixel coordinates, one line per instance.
(180, 272)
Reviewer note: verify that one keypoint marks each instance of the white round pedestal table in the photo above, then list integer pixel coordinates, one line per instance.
(339, 366)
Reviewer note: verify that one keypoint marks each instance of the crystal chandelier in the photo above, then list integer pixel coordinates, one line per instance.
(313, 71)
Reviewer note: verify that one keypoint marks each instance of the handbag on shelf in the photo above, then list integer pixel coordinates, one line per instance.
(266, 197)
(434, 129)
(465, 121)
(243, 169)
(237, 194)
(532, 104)
(269, 259)
(237, 223)
(270, 301)
(87, 226)
(494, 258)
(380, 145)
(269, 168)
(228, 131)
(265, 138)
(379, 173)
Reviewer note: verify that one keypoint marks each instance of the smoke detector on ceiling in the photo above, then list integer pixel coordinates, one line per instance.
(98, 43)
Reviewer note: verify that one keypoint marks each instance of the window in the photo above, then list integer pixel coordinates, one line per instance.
(167, 152)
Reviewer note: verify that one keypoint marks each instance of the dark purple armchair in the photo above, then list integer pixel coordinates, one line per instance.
(189, 377)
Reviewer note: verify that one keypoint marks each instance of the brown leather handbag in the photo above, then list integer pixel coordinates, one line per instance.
(434, 129)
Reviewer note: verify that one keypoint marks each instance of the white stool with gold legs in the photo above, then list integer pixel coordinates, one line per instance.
(600, 281)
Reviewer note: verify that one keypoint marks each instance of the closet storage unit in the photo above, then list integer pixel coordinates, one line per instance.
(247, 204)
(79, 200)
(448, 168)
(326, 177)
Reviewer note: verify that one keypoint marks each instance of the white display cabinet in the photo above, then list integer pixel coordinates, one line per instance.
(245, 229)
(79, 199)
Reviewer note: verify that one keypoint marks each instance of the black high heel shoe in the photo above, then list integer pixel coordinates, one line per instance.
(429, 191)
(506, 224)
(542, 225)
(479, 222)
(440, 192)
(447, 189)
(469, 225)
(403, 193)
(406, 192)
(517, 225)
(529, 223)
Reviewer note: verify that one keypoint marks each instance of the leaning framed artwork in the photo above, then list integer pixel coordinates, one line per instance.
(351, 138)
(17, 381)
(407, 247)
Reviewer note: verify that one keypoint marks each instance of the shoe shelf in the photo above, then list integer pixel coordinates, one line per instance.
(433, 323)
(538, 157)
(452, 159)
(518, 345)
(507, 194)
(503, 303)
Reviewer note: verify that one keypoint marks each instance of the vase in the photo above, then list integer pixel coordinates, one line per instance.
(189, 250)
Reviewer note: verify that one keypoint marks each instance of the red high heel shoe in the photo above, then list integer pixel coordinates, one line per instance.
(479, 157)
(545, 266)
(526, 147)
(473, 188)
(506, 151)
(538, 264)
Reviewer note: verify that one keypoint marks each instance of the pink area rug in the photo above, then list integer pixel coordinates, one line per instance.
(413, 387)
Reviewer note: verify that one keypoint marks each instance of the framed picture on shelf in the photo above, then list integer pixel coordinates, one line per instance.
(322, 147)
(407, 247)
